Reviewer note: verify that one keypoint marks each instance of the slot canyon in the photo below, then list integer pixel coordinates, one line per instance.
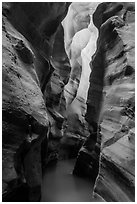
(68, 101)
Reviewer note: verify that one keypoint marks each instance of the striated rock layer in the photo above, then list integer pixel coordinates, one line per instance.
(116, 43)
(110, 104)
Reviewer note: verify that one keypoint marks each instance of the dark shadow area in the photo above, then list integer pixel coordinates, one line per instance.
(19, 194)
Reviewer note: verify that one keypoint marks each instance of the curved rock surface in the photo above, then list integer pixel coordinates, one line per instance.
(81, 44)
(115, 182)
(111, 82)
(24, 113)
(77, 41)
(111, 104)
(28, 35)
(69, 91)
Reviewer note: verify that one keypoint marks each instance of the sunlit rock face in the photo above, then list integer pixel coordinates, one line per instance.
(77, 19)
(79, 40)
(28, 36)
(80, 46)
(86, 56)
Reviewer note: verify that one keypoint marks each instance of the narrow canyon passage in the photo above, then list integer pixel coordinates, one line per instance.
(60, 185)
(68, 102)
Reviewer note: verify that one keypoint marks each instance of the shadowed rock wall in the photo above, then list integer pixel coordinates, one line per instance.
(115, 181)
(58, 99)
(28, 36)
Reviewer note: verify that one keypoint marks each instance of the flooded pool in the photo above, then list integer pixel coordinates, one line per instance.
(60, 185)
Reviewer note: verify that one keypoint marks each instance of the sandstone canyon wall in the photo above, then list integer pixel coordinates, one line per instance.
(28, 35)
(115, 181)
(80, 37)
(69, 91)
(110, 105)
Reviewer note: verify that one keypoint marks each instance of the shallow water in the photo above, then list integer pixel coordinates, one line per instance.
(60, 185)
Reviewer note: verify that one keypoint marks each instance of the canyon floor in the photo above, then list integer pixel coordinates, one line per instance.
(60, 185)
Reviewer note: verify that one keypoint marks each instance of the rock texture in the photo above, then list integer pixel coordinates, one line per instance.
(60, 75)
(115, 181)
(111, 104)
(28, 36)
(53, 94)
(80, 44)
(24, 112)
(69, 90)
(77, 37)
